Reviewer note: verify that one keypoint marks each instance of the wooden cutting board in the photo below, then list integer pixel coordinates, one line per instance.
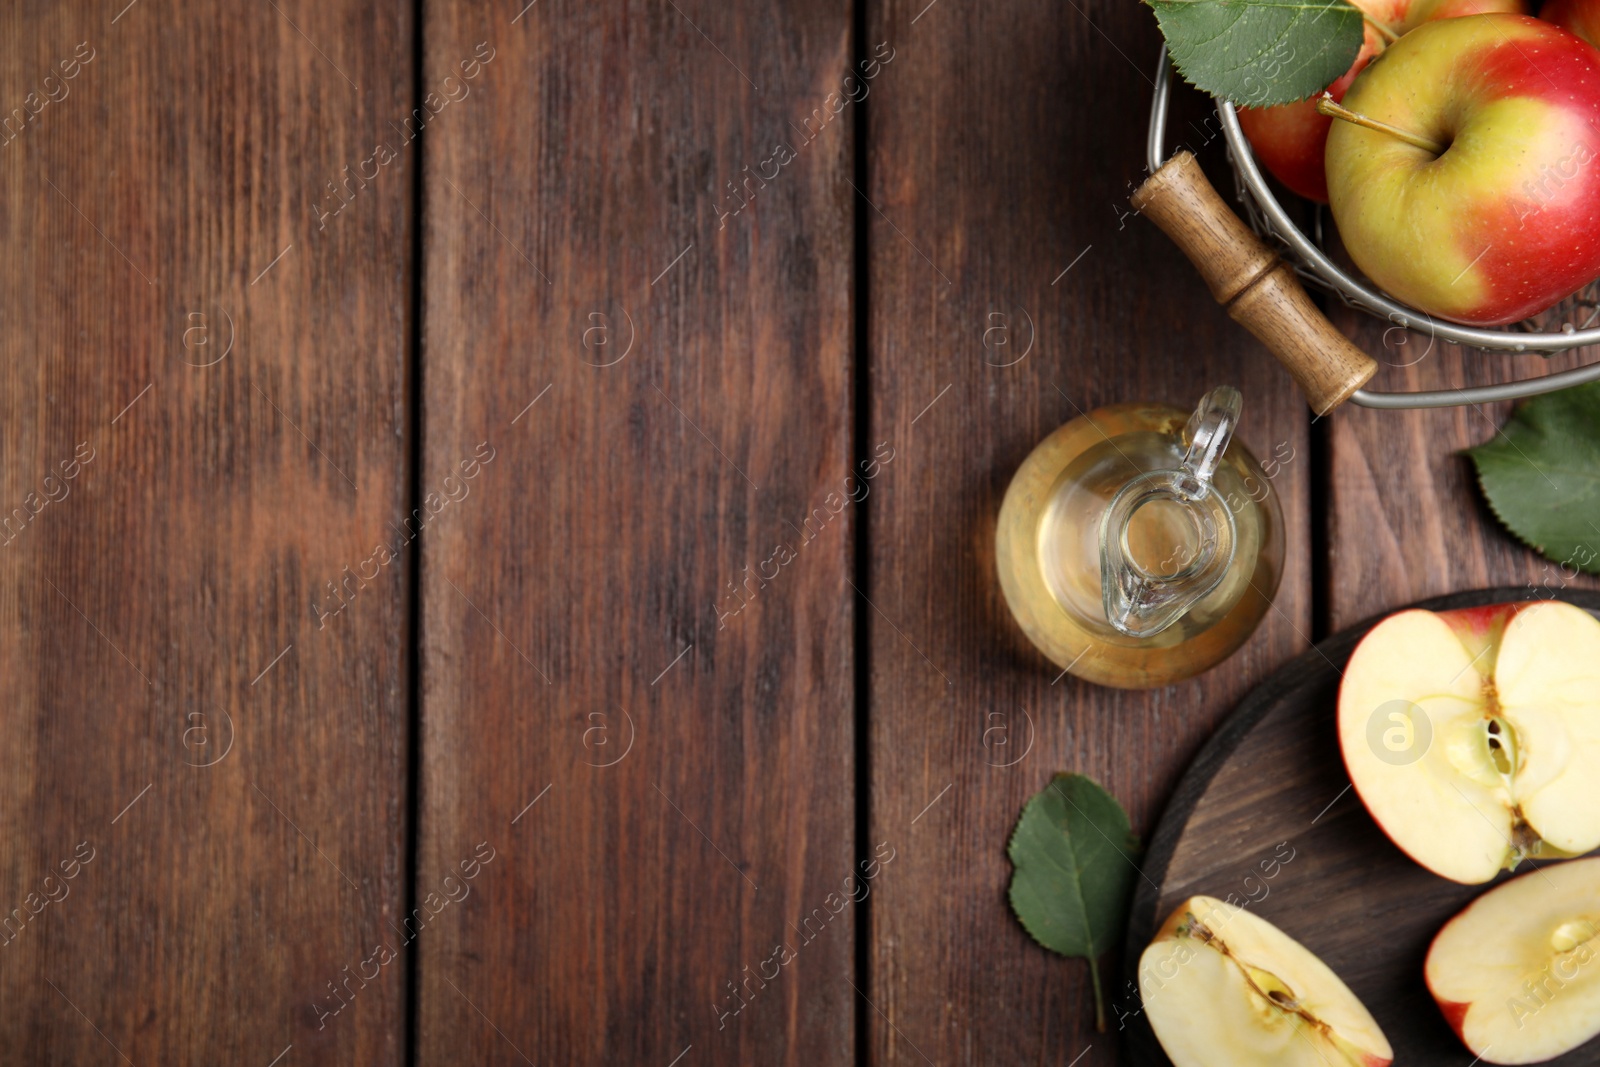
(1271, 785)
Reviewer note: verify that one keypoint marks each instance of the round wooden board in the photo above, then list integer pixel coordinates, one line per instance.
(1270, 781)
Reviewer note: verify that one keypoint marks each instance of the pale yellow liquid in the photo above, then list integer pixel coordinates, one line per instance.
(1048, 548)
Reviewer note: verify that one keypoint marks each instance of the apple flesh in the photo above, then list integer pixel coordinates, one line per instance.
(1517, 974)
(1505, 220)
(1224, 988)
(1290, 139)
(1473, 737)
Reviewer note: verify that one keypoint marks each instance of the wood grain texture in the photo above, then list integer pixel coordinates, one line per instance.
(638, 620)
(161, 608)
(1265, 818)
(1003, 144)
(1405, 516)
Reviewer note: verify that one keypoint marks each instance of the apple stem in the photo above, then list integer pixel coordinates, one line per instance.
(1327, 106)
(1384, 31)
(1099, 996)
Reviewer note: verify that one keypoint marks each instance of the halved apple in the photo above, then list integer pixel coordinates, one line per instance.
(1224, 988)
(1473, 736)
(1517, 973)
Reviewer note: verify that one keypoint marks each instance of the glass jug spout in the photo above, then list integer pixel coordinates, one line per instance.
(1168, 538)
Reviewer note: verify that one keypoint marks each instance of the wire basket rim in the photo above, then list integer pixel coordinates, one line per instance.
(1310, 261)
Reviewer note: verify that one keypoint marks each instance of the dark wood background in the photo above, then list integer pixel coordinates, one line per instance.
(617, 726)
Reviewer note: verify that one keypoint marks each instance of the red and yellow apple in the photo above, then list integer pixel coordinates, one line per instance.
(1473, 736)
(1581, 17)
(1480, 201)
(1289, 139)
(1517, 974)
(1225, 988)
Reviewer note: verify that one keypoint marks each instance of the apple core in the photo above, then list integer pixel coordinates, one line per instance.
(1511, 695)
(1225, 988)
(1569, 935)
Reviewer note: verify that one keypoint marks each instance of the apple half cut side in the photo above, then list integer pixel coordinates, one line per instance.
(1224, 988)
(1517, 974)
(1473, 736)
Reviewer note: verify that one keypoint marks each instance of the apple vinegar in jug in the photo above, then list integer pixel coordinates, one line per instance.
(1139, 544)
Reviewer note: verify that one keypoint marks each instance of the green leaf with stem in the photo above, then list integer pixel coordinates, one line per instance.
(1261, 52)
(1075, 858)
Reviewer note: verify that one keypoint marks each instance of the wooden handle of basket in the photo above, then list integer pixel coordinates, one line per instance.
(1259, 290)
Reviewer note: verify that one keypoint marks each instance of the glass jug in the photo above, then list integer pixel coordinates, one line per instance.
(1139, 545)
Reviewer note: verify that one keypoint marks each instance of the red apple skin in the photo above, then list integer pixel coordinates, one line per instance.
(1482, 622)
(1480, 628)
(1284, 137)
(1455, 1013)
(1453, 244)
(1423, 11)
(1581, 17)
(1290, 139)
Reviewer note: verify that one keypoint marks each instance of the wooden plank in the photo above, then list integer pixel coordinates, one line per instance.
(1406, 519)
(202, 397)
(1004, 142)
(637, 654)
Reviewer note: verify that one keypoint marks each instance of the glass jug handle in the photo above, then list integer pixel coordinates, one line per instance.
(1207, 434)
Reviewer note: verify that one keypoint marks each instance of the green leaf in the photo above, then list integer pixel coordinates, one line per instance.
(1260, 52)
(1541, 475)
(1075, 859)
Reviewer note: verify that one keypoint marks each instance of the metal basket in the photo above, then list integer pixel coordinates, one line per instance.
(1570, 324)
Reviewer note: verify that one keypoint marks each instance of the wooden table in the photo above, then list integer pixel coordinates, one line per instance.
(527, 552)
